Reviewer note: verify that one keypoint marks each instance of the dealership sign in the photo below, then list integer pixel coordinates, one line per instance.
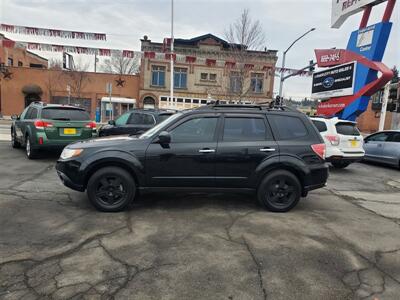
(342, 9)
(334, 82)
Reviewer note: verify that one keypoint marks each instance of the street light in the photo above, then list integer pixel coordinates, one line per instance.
(284, 58)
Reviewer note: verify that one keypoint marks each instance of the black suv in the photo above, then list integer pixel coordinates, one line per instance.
(276, 153)
(135, 122)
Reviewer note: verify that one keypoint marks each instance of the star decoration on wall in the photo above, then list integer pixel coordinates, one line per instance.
(120, 82)
(6, 74)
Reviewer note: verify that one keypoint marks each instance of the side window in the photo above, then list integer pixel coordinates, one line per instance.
(288, 127)
(321, 126)
(31, 114)
(394, 137)
(148, 119)
(244, 129)
(136, 119)
(198, 130)
(24, 113)
(122, 119)
(379, 137)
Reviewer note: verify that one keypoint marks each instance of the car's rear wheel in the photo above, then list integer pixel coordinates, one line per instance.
(111, 189)
(14, 142)
(279, 191)
(340, 164)
(30, 151)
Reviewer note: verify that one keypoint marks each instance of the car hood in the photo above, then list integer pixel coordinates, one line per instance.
(112, 141)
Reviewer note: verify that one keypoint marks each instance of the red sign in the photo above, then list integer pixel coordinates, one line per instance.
(330, 57)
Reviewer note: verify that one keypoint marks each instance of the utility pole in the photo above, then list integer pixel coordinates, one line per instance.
(172, 52)
(95, 61)
(385, 99)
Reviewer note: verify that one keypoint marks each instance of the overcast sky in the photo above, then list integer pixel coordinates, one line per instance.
(126, 21)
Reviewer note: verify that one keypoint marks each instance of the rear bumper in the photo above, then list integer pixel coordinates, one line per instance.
(350, 159)
(316, 178)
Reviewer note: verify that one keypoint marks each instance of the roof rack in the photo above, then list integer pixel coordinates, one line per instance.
(262, 106)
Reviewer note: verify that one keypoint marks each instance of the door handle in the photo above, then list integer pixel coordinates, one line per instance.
(267, 149)
(206, 150)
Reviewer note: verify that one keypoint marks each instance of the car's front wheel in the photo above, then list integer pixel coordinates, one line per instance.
(279, 191)
(111, 189)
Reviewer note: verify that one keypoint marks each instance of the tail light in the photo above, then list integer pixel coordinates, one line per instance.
(319, 149)
(91, 125)
(333, 139)
(40, 124)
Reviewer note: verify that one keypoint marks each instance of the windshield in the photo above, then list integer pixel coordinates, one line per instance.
(156, 128)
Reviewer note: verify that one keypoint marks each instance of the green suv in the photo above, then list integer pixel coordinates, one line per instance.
(44, 126)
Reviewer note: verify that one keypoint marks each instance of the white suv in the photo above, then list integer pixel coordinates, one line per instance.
(344, 143)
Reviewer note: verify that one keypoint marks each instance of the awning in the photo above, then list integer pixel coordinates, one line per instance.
(119, 100)
(32, 89)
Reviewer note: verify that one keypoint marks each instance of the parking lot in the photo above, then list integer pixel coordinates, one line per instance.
(342, 242)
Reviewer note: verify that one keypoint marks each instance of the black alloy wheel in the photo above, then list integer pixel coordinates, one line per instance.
(279, 191)
(111, 189)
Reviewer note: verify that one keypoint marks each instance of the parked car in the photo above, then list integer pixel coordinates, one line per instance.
(276, 153)
(344, 142)
(383, 147)
(135, 122)
(49, 126)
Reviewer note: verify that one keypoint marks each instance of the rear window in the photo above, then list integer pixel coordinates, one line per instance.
(65, 114)
(321, 126)
(288, 127)
(347, 128)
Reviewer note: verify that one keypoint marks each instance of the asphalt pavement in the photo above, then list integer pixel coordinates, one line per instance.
(342, 242)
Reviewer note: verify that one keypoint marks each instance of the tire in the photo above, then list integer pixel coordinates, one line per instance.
(111, 189)
(279, 191)
(30, 152)
(340, 164)
(14, 143)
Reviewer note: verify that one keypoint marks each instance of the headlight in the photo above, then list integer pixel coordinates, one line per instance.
(68, 153)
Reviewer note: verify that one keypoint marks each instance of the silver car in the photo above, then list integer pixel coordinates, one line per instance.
(384, 147)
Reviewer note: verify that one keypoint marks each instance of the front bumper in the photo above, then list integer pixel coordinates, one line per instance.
(68, 171)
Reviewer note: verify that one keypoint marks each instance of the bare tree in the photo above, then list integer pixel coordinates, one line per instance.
(77, 78)
(244, 34)
(55, 64)
(118, 64)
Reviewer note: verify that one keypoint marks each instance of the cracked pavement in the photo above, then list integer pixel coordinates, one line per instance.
(342, 242)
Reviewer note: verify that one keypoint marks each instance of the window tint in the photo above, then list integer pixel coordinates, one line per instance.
(197, 130)
(65, 114)
(379, 137)
(141, 119)
(31, 114)
(394, 137)
(347, 128)
(288, 127)
(244, 129)
(163, 117)
(321, 126)
(122, 119)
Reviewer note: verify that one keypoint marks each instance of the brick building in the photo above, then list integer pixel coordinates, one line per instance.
(206, 67)
(25, 78)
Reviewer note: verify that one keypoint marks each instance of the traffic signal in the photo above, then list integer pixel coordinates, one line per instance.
(311, 67)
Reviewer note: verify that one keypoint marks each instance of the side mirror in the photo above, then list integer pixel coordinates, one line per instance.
(164, 138)
(14, 117)
(111, 122)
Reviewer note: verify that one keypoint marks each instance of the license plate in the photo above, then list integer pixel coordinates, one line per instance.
(354, 143)
(69, 130)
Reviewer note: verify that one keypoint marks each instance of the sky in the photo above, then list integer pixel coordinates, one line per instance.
(126, 21)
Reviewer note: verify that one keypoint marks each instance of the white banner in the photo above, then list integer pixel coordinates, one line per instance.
(342, 9)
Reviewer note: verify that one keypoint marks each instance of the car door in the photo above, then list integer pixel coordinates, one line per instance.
(20, 125)
(189, 159)
(373, 146)
(391, 149)
(244, 142)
